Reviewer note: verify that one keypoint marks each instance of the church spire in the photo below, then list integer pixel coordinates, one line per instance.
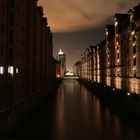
(60, 52)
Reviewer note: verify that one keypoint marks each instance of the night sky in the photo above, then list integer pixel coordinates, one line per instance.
(77, 24)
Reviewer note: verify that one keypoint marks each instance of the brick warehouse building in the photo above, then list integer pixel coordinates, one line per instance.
(27, 67)
(115, 62)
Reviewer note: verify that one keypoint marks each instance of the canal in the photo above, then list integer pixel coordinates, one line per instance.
(75, 113)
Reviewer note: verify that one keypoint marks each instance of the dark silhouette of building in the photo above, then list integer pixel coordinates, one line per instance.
(27, 67)
(62, 59)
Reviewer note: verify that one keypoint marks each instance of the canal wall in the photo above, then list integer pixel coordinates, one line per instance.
(117, 100)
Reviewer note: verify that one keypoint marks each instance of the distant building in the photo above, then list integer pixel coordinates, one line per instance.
(58, 69)
(62, 58)
(115, 62)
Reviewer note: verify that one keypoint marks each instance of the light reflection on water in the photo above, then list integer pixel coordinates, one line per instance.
(79, 115)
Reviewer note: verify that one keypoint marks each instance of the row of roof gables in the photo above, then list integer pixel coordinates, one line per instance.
(123, 20)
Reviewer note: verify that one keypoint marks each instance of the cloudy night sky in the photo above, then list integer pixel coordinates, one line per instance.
(80, 23)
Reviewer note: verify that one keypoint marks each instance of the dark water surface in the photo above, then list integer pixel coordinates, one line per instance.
(74, 113)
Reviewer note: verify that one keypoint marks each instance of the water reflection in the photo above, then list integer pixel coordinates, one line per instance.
(78, 114)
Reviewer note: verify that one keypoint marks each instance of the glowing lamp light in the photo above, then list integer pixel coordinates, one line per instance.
(58, 76)
(134, 68)
(133, 32)
(118, 69)
(1, 70)
(128, 94)
(106, 33)
(116, 23)
(113, 89)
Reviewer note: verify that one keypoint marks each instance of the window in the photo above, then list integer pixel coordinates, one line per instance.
(11, 70)
(134, 62)
(134, 49)
(1, 70)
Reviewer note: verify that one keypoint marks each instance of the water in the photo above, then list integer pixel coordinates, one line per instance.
(74, 113)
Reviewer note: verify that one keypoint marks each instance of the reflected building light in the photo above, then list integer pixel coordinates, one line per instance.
(118, 60)
(11, 70)
(118, 51)
(113, 89)
(117, 43)
(1, 70)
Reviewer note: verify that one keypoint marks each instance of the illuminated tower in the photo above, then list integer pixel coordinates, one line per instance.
(61, 58)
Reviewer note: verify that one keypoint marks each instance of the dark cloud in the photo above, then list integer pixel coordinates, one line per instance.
(80, 23)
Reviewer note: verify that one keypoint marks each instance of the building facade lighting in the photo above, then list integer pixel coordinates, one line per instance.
(116, 23)
(134, 56)
(133, 32)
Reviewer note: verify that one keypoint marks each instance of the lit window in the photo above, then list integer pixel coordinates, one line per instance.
(17, 70)
(11, 70)
(1, 70)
